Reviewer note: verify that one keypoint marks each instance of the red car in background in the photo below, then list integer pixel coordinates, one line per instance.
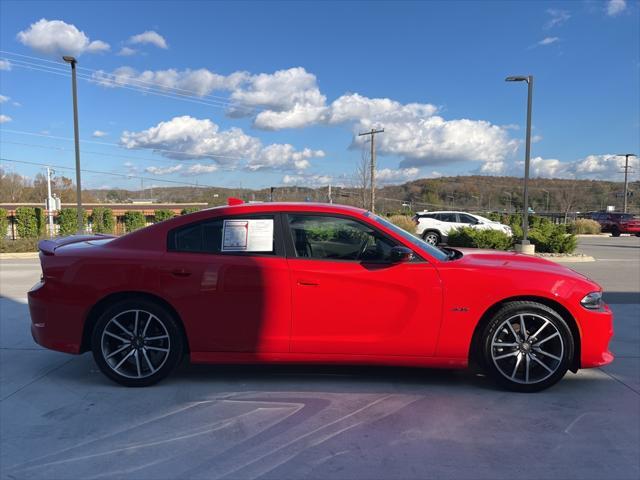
(312, 283)
(617, 223)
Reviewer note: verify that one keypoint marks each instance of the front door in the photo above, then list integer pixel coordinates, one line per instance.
(349, 299)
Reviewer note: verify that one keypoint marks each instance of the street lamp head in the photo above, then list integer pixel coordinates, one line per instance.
(69, 59)
(517, 78)
(626, 155)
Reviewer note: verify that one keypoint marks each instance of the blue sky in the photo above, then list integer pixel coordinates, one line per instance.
(268, 93)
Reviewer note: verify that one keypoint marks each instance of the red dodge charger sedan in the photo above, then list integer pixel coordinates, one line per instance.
(312, 283)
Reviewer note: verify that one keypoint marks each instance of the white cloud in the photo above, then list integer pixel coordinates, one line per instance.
(557, 17)
(200, 82)
(199, 169)
(5, 119)
(59, 38)
(126, 52)
(308, 180)
(149, 37)
(99, 134)
(3, 99)
(163, 170)
(352, 107)
(591, 167)
(189, 137)
(615, 7)
(5, 65)
(401, 175)
(548, 41)
(536, 138)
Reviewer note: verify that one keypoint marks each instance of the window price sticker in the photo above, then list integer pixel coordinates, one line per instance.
(247, 235)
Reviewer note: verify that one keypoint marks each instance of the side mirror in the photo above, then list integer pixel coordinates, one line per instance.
(400, 255)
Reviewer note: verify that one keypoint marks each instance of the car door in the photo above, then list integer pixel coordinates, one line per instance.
(465, 220)
(349, 299)
(231, 300)
(449, 221)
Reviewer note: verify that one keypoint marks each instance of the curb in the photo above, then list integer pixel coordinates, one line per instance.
(577, 259)
(15, 256)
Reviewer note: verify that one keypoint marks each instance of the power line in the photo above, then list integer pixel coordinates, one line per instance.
(163, 86)
(96, 142)
(130, 83)
(145, 90)
(100, 172)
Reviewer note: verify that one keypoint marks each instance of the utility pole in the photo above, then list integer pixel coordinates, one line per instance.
(329, 194)
(373, 133)
(626, 177)
(76, 135)
(51, 204)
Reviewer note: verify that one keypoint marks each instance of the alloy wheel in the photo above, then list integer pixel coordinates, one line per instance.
(431, 238)
(135, 344)
(527, 348)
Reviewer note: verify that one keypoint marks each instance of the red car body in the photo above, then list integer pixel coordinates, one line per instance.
(279, 308)
(618, 223)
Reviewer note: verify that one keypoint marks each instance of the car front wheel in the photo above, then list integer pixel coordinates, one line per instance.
(137, 343)
(527, 347)
(615, 232)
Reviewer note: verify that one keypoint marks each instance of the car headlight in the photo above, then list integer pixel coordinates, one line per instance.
(592, 301)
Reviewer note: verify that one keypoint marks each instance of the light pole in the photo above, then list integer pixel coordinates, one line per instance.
(527, 158)
(547, 203)
(510, 197)
(626, 177)
(74, 89)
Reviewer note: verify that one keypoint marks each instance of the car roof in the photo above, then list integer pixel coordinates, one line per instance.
(287, 206)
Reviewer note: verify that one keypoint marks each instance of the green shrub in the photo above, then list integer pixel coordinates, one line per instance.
(19, 245)
(404, 222)
(27, 223)
(4, 223)
(68, 221)
(550, 238)
(475, 238)
(162, 215)
(188, 210)
(134, 220)
(41, 221)
(584, 226)
(102, 220)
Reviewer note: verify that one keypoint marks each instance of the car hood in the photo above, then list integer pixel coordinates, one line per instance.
(478, 258)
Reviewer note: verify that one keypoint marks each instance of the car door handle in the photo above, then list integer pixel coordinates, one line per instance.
(307, 283)
(180, 272)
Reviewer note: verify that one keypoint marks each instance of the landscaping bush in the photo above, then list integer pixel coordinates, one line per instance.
(188, 210)
(4, 223)
(27, 222)
(134, 220)
(474, 238)
(102, 220)
(162, 215)
(404, 222)
(19, 245)
(68, 221)
(584, 226)
(550, 238)
(41, 221)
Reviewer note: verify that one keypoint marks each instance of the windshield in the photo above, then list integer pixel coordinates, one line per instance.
(424, 246)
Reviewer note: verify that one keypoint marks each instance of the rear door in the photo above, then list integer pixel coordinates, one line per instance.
(231, 299)
(348, 298)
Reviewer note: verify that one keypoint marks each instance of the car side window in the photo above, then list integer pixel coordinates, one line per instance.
(337, 238)
(464, 218)
(204, 237)
(448, 217)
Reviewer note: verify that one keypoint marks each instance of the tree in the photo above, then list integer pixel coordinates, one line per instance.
(26, 222)
(162, 215)
(362, 178)
(102, 220)
(4, 223)
(68, 221)
(134, 220)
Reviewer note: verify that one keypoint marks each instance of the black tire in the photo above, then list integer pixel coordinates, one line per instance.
(615, 232)
(511, 372)
(432, 237)
(152, 355)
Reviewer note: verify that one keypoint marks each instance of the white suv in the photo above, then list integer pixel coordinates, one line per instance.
(434, 227)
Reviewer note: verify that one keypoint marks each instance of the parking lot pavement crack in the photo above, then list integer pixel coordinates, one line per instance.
(620, 381)
(39, 377)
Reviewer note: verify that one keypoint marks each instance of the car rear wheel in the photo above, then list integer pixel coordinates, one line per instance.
(431, 237)
(527, 347)
(137, 343)
(615, 232)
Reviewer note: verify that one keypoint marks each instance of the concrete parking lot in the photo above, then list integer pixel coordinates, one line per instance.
(61, 418)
